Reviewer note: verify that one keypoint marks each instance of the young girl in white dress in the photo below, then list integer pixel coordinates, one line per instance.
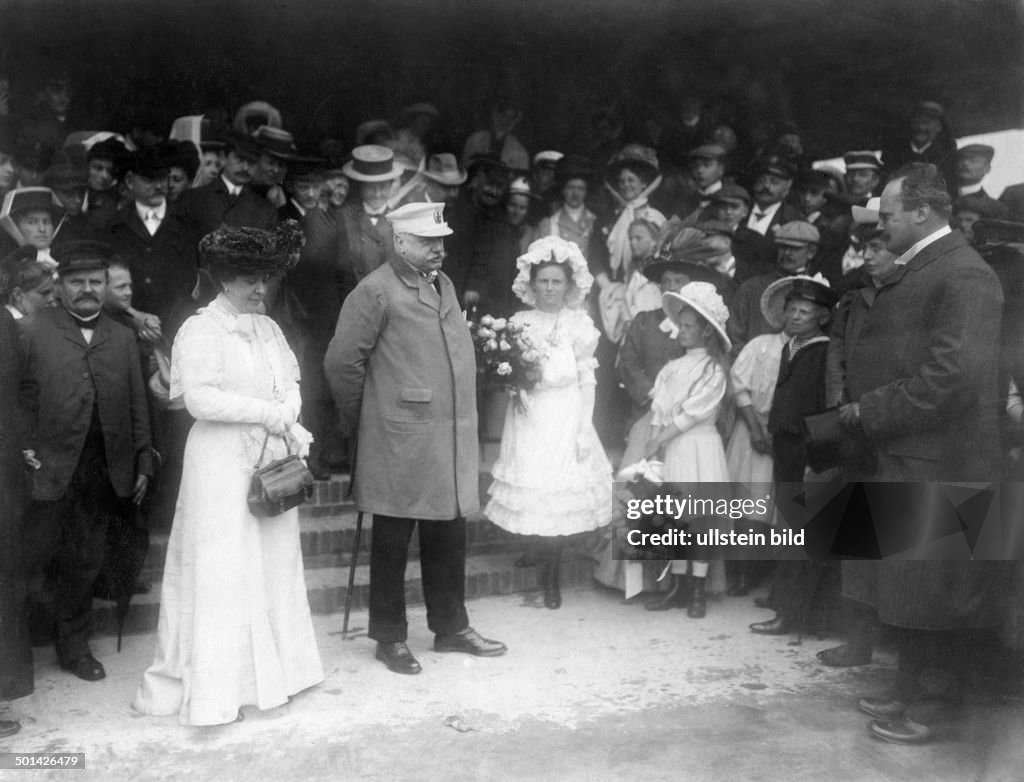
(686, 399)
(552, 478)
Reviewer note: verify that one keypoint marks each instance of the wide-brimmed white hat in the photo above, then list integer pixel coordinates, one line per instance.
(705, 299)
(372, 163)
(552, 249)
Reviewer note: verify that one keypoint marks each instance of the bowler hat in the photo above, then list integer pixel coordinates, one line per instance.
(151, 162)
(81, 256)
(275, 142)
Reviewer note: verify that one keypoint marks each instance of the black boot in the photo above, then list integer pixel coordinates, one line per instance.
(552, 594)
(698, 600)
(676, 597)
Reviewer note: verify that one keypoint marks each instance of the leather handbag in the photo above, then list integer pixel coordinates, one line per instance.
(831, 444)
(280, 486)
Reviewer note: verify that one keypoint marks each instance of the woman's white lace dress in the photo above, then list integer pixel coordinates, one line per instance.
(540, 487)
(235, 627)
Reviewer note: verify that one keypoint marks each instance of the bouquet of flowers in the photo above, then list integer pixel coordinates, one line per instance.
(505, 356)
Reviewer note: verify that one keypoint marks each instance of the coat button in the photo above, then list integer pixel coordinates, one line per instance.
(85, 375)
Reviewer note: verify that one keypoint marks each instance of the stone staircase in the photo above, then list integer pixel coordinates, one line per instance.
(327, 528)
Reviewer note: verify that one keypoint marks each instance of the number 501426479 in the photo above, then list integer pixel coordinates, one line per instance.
(26, 760)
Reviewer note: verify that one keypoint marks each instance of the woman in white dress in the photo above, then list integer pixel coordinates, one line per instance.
(235, 627)
(552, 478)
(686, 399)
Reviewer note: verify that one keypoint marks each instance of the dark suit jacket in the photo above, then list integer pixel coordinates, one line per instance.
(164, 266)
(64, 378)
(208, 207)
(924, 367)
(364, 247)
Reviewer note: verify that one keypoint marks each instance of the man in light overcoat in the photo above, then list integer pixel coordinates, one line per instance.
(403, 373)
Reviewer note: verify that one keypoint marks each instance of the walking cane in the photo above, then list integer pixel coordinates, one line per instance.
(345, 634)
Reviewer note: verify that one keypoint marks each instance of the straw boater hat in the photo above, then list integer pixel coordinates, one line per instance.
(519, 186)
(552, 249)
(800, 286)
(253, 250)
(702, 297)
(372, 163)
(276, 142)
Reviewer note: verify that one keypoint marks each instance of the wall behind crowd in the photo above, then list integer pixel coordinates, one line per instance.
(845, 72)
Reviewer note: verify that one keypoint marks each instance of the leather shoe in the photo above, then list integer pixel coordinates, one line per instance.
(87, 668)
(882, 708)
(844, 656)
(469, 641)
(900, 731)
(9, 728)
(774, 626)
(397, 657)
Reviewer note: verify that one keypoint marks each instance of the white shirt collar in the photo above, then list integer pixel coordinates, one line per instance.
(813, 216)
(298, 207)
(143, 211)
(767, 215)
(233, 189)
(969, 189)
(669, 328)
(15, 312)
(908, 256)
(711, 189)
(920, 150)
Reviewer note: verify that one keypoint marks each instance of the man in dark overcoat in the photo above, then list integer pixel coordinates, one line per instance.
(403, 372)
(89, 424)
(922, 378)
(157, 242)
(229, 199)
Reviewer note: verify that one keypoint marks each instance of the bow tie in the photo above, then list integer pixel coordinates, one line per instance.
(429, 276)
(84, 323)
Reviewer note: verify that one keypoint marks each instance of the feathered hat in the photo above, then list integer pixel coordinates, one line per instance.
(253, 250)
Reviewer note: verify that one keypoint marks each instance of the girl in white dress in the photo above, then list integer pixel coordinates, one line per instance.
(552, 478)
(687, 394)
(235, 626)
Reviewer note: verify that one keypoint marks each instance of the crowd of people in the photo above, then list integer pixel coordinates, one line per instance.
(181, 309)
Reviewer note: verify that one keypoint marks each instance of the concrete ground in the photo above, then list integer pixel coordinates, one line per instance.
(599, 690)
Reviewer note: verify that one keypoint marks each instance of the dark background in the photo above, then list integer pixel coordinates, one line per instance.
(844, 70)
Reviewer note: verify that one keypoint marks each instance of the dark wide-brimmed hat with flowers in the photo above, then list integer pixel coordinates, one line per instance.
(253, 250)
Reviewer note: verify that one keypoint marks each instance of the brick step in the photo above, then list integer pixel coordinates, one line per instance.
(327, 541)
(486, 575)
